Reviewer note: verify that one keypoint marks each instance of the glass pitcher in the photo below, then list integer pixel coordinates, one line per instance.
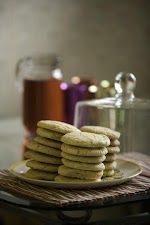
(124, 112)
(38, 79)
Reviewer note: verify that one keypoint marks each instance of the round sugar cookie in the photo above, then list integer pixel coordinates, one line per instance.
(86, 159)
(110, 157)
(112, 134)
(43, 149)
(108, 173)
(110, 165)
(61, 178)
(83, 151)
(112, 149)
(40, 175)
(49, 134)
(57, 126)
(114, 142)
(85, 139)
(40, 157)
(80, 174)
(42, 166)
(83, 166)
(48, 142)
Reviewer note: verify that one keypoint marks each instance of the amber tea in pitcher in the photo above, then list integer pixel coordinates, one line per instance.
(42, 99)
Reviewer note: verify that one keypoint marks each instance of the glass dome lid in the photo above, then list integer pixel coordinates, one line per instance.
(123, 112)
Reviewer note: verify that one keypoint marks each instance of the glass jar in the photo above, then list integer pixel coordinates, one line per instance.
(124, 112)
(38, 79)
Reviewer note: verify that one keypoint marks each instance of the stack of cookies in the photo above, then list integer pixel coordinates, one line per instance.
(110, 161)
(45, 150)
(83, 154)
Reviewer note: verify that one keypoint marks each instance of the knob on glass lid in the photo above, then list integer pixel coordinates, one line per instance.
(125, 83)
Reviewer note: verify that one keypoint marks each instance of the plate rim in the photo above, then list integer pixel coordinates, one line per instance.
(42, 182)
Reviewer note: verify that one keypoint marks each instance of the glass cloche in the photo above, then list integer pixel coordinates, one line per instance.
(124, 112)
